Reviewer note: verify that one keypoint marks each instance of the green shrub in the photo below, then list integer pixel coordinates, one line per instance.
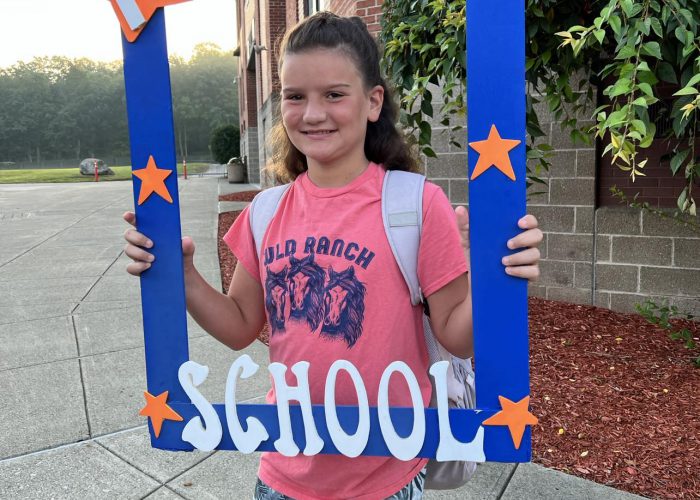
(225, 143)
(662, 315)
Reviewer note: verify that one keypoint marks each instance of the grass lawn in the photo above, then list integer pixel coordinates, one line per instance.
(28, 176)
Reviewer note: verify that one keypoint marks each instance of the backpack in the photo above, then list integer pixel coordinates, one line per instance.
(402, 214)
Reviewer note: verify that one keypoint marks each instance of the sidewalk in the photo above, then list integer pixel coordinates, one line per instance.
(72, 361)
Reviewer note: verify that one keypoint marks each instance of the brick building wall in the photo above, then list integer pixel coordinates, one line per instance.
(343, 7)
(248, 34)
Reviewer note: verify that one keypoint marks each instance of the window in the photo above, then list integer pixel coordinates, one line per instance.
(313, 6)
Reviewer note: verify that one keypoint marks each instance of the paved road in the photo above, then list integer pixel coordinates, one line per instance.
(72, 361)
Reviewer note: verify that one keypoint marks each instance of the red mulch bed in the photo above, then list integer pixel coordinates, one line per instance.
(227, 261)
(240, 196)
(618, 401)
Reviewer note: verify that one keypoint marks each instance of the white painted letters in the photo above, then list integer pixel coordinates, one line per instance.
(284, 393)
(207, 435)
(402, 448)
(348, 445)
(191, 375)
(449, 448)
(245, 441)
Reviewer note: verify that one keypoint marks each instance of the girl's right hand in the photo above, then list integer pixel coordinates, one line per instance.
(137, 243)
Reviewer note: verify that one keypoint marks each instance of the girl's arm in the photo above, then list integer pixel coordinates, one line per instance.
(451, 305)
(234, 319)
(451, 316)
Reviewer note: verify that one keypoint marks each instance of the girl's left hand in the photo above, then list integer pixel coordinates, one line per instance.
(522, 264)
(525, 263)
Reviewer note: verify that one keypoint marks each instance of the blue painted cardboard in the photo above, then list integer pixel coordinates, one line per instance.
(496, 95)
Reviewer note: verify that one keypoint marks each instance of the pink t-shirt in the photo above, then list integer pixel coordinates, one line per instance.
(333, 291)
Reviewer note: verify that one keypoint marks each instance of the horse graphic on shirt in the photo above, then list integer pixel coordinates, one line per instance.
(276, 298)
(344, 307)
(305, 284)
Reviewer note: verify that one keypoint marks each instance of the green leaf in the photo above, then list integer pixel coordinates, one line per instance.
(680, 35)
(688, 16)
(620, 87)
(689, 48)
(599, 35)
(627, 7)
(626, 52)
(616, 118)
(615, 24)
(656, 26)
(426, 107)
(652, 49)
(425, 133)
(666, 72)
(678, 160)
(640, 101)
(643, 66)
(646, 88)
(695, 79)
(640, 126)
(686, 91)
(577, 28)
(682, 198)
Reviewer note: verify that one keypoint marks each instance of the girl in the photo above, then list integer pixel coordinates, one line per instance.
(330, 286)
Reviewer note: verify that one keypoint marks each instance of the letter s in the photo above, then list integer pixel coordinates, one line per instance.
(191, 375)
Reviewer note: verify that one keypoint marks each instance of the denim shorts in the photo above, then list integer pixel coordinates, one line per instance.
(412, 491)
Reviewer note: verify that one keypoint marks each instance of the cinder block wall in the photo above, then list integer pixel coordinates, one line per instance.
(642, 255)
(613, 257)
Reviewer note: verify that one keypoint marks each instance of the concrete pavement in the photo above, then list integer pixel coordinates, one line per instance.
(72, 361)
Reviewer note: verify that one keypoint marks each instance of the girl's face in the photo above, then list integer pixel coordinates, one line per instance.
(325, 109)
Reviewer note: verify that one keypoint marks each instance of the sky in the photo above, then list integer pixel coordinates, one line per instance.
(89, 28)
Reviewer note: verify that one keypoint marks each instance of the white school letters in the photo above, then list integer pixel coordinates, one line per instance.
(207, 435)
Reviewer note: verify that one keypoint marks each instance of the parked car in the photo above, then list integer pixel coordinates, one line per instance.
(87, 167)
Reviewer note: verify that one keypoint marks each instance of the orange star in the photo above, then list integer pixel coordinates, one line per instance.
(494, 152)
(134, 14)
(153, 180)
(515, 415)
(157, 410)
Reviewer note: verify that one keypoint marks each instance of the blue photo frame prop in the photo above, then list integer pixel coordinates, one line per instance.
(496, 122)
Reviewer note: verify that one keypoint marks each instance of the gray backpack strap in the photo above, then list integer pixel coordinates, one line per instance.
(262, 209)
(402, 213)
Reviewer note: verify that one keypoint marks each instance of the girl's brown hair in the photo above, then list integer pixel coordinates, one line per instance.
(383, 142)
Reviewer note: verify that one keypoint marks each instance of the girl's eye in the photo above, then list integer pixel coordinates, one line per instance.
(335, 95)
(293, 97)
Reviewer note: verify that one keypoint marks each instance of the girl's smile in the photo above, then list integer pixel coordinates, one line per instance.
(317, 134)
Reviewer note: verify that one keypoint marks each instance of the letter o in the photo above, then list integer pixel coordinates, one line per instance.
(402, 448)
(347, 444)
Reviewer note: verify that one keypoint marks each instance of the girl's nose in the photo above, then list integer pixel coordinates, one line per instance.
(314, 112)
